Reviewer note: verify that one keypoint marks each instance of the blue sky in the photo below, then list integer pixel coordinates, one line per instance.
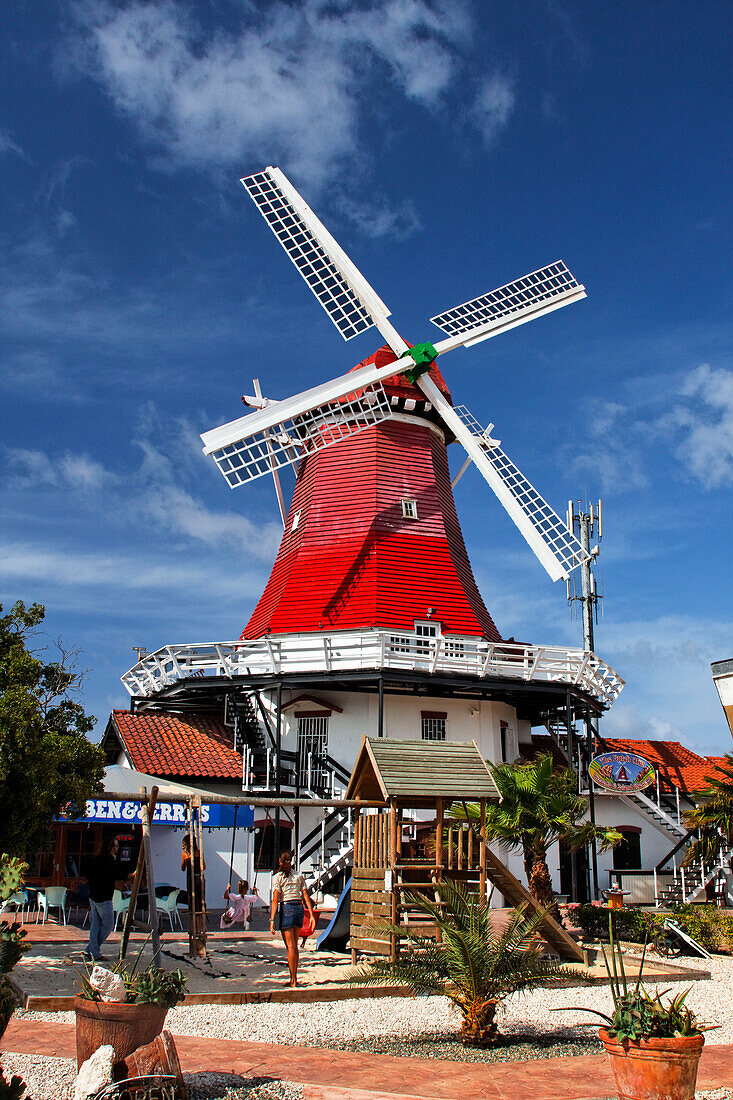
(450, 147)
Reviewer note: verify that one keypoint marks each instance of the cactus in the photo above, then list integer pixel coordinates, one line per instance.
(12, 1089)
(12, 871)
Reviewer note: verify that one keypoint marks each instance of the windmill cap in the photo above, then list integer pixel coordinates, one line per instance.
(398, 385)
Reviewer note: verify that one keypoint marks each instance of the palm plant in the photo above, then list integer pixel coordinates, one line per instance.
(539, 805)
(712, 817)
(470, 962)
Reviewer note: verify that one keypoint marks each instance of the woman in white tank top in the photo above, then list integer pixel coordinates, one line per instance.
(287, 912)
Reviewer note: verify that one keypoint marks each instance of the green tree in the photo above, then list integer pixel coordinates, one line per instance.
(47, 764)
(712, 817)
(539, 805)
(472, 963)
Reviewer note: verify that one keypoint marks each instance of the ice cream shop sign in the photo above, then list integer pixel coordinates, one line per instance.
(621, 771)
(128, 812)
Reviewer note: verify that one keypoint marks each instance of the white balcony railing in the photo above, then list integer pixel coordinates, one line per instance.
(374, 649)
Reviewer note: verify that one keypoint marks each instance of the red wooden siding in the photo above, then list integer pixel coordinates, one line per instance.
(354, 561)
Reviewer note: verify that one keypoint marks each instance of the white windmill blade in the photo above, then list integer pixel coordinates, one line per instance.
(281, 412)
(348, 299)
(282, 433)
(540, 292)
(557, 549)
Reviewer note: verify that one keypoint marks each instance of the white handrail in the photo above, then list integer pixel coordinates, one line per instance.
(373, 649)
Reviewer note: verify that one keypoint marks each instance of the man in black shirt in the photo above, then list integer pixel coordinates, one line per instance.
(103, 873)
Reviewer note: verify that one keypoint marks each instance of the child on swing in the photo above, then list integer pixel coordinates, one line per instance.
(239, 905)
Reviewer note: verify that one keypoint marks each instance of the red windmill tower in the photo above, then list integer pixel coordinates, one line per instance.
(371, 621)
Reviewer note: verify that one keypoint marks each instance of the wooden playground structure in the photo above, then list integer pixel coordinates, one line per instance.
(388, 867)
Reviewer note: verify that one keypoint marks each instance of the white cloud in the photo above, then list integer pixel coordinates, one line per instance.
(8, 145)
(51, 568)
(287, 84)
(151, 493)
(79, 473)
(65, 221)
(378, 219)
(693, 412)
(706, 421)
(493, 106)
(669, 693)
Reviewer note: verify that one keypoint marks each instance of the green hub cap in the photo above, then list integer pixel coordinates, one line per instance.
(423, 356)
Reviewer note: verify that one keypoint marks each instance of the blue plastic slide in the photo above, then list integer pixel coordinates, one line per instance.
(335, 937)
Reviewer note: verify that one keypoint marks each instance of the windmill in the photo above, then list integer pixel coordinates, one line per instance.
(283, 432)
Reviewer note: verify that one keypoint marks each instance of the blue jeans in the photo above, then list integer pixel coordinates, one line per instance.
(102, 922)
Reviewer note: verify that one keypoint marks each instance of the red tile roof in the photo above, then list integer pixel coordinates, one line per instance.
(177, 747)
(679, 765)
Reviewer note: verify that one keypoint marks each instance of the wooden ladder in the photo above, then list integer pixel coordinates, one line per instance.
(516, 894)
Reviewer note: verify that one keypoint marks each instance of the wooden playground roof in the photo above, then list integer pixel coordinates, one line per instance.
(419, 772)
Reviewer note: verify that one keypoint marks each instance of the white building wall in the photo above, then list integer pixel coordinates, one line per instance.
(655, 844)
(467, 720)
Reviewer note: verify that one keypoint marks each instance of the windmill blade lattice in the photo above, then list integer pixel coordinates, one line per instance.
(348, 299)
(565, 547)
(524, 299)
(267, 449)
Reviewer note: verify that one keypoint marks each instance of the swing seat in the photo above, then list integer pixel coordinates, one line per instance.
(309, 926)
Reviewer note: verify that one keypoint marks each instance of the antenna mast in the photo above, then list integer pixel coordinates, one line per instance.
(589, 525)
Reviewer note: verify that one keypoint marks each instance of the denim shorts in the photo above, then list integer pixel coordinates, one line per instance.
(293, 914)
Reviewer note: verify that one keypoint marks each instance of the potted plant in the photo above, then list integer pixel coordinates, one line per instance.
(129, 1024)
(654, 1048)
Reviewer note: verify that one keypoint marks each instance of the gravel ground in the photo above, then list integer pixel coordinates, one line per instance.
(53, 1079)
(428, 1026)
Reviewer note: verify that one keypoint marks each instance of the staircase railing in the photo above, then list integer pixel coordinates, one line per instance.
(689, 880)
(671, 854)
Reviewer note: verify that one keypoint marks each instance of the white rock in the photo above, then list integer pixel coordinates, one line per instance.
(109, 985)
(95, 1073)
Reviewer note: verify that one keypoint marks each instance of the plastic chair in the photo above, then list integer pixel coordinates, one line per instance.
(19, 899)
(120, 905)
(168, 907)
(53, 897)
(80, 900)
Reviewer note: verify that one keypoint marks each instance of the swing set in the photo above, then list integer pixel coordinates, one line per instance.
(196, 878)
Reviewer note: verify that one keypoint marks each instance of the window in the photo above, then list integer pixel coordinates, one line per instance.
(267, 852)
(508, 743)
(433, 724)
(453, 648)
(627, 854)
(425, 633)
(409, 509)
(312, 751)
(296, 520)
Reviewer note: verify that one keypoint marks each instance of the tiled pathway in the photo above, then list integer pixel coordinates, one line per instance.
(332, 1075)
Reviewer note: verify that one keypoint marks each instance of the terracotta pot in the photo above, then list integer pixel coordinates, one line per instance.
(654, 1069)
(125, 1027)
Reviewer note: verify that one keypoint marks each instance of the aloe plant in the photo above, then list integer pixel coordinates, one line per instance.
(637, 1014)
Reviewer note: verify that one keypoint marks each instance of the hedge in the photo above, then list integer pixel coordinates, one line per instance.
(710, 926)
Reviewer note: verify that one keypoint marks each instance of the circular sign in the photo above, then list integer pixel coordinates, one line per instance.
(621, 771)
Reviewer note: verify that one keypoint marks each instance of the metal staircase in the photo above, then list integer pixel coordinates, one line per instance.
(330, 849)
(690, 883)
(655, 813)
